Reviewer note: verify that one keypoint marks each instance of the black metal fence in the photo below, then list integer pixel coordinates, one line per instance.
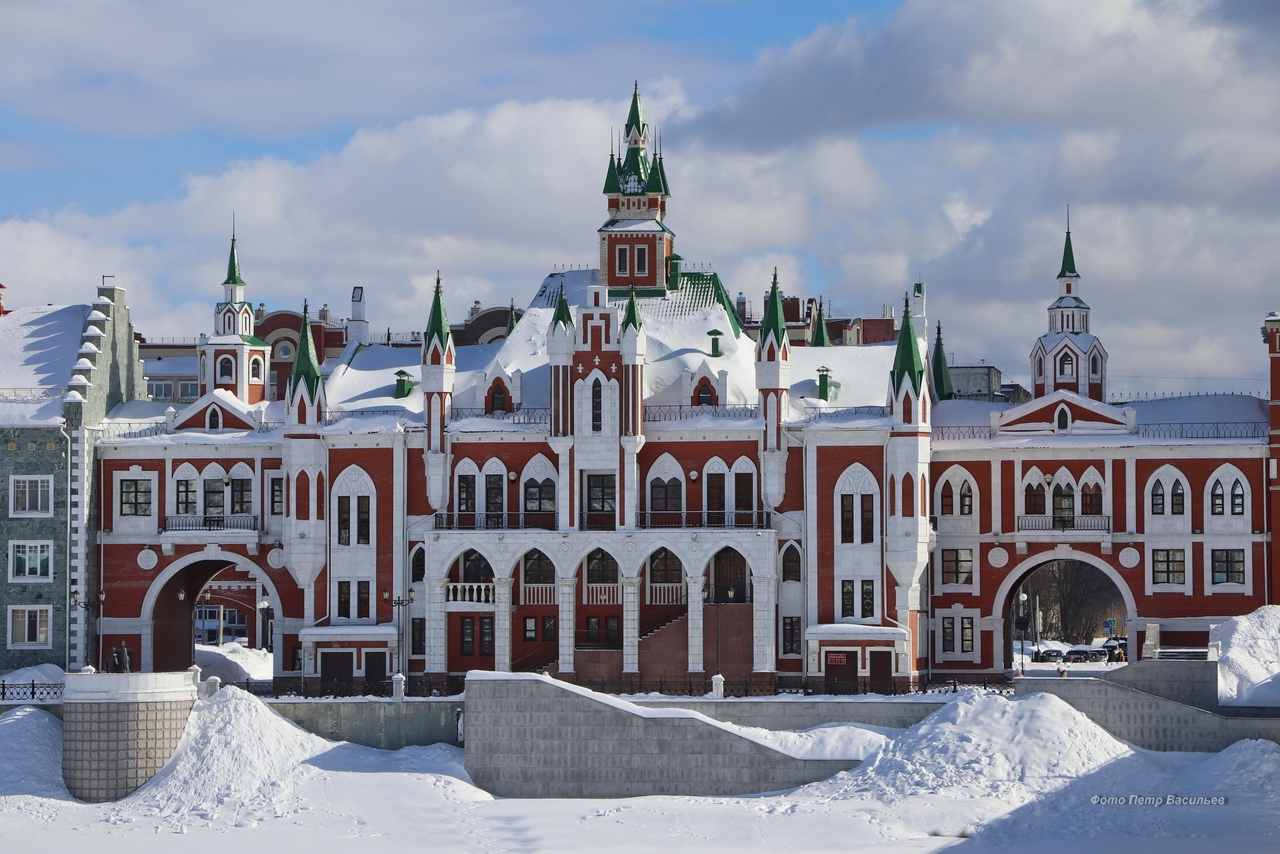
(31, 692)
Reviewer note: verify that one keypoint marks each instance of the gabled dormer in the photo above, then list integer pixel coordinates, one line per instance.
(1065, 411)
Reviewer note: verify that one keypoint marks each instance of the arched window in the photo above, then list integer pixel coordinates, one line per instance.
(1217, 499)
(1064, 505)
(226, 370)
(255, 370)
(705, 396)
(475, 569)
(538, 569)
(908, 496)
(1157, 498)
(418, 565)
(948, 499)
(1091, 500)
(665, 568)
(1178, 499)
(1039, 367)
(1033, 499)
(498, 399)
(665, 496)
(540, 496)
(907, 409)
(1095, 366)
(1237, 499)
(597, 407)
(215, 419)
(966, 499)
(601, 568)
(791, 564)
(1066, 365)
(893, 497)
(1064, 419)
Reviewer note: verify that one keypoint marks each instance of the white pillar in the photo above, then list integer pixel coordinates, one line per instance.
(566, 592)
(694, 586)
(630, 624)
(437, 626)
(502, 624)
(764, 623)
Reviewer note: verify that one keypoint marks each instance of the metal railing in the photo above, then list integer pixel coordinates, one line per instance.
(235, 522)
(705, 519)
(34, 395)
(537, 594)
(476, 592)
(813, 413)
(683, 412)
(333, 416)
(1206, 430)
(496, 521)
(519, 416)
(35, 692)
(967, 431)
(1064, 523)
(667, 594)
(597, 520)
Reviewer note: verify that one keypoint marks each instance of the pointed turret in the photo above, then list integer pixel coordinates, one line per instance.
(611, 182)
(774, 327)
(632, 316)
(562, 317)
(437, 340)
(820, 337)
(941, 371)
(233, 267)
(635, 118)
(306, 364)
(1068, 270)
(907, 364)
(512, 320)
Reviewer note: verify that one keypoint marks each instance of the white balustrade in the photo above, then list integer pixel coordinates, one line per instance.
(467, 591)
(603, 594)
(538, 594)
(666, 594)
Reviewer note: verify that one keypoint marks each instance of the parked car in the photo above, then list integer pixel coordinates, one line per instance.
(1083, 654)
(1049, 655)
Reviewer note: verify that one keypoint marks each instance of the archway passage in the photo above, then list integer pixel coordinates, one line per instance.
(1066, 600)
(173, 618)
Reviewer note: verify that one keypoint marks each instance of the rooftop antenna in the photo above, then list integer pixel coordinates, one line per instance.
(104, 279)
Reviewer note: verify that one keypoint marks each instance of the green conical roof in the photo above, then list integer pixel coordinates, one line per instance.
(306, 364)
(511, 319)
(907, 364)
(233, 267)
(562, 315)
(941, 371)
(820, 336)
(632, 315)
(773, 320)
(438, 322)
(611, 183)
(1068, 261)
(635, 118)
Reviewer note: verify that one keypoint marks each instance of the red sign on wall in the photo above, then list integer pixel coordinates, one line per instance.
(835, 658)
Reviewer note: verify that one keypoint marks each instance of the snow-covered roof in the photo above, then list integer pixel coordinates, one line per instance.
(39, 347)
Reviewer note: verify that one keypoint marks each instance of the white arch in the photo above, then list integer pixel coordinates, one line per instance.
(1227, 474)
(162, 578)
(186, 471)
(1018, 574)
(538, 468)
(213, 471)
(241, 471)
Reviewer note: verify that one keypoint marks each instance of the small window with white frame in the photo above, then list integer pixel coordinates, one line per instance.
(623, 265)
(135, 497)
(160, 389)
(642, 260)
(29, 627)
(30, 560)
(188, 390)
(30, 496)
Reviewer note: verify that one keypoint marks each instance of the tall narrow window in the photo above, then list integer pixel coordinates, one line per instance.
(466, 493)
(1217, 502)
(467, 636)
(187, 501)
(1091, 500)
(1157, 499)
(1033, 499)
(344, 600)
(715, 499)
(622, 261)
(362, 520)
(1064, 506)
(1237, 499)
(868, 599)
(948, 634)
(597, 407)
(846, 518)
(966, 499)
(948, 500)
(848, 599)
(215, 420)
(214, 497)
(791, 633)
(362, 600)
(791, 564)
(277, 496)
(642, 260)
(966, 634)
(908, 496)
(486, 635)
(493, 489)
(868, 520)
(344, 520)
(744, 493)
(1177, 503)
(498, 399)
(241, 495)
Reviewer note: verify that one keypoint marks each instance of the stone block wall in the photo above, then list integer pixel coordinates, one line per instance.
(386, 725)
(119, 729)
(534, 737)
(803, 714)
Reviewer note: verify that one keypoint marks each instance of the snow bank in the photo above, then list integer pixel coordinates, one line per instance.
(1249, 661)
(233, 662)
(985, 745)
(42, 673)
(31, 744)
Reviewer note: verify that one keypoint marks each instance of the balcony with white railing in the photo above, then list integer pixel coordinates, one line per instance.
(469, 593)
(742, 519)
(538, 594)
(667, 594)
(602, 594)
(1065, 524)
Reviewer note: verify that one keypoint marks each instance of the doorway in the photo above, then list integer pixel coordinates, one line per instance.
(842, 672)
(880, 667)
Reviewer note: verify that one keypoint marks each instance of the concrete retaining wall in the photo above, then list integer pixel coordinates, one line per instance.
(803, 714)
(388, 725)
(1192, 683)
(1146, 720)
(533, 737)
(119, 729)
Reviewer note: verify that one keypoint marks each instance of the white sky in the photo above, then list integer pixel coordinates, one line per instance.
(375, 143)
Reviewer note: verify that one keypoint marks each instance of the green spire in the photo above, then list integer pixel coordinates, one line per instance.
(941, 371)
(562, 315)
(611, 182)
(233, 267)
(635, 118)
(306, 364)
(1068, 261)
(907, 365)
(632, 316)
(773, 320)
(511, 319)
(820, 336)
(437, 322)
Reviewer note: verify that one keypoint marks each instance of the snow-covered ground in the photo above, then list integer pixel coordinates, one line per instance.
(985, 771)
(233, 662)
(1249, 658)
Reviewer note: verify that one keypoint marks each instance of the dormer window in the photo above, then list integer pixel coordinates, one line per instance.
(255, 370)
(215, 419)
(1064, 419)
(1066, 365)
(226, 369)
(498, 399)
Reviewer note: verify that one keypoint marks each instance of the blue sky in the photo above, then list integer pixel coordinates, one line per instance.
(855, 146)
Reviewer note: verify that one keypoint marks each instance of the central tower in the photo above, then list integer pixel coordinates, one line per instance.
(635, 243)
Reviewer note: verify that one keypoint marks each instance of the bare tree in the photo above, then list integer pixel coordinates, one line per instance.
(1074, 599)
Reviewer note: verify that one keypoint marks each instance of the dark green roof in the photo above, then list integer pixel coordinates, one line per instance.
(437, 322)
(512, 319)
(611, 183)
(635, 118)
(233, 267)
(306, 364)
(820, 338)
(254, 340)
(632, 316)
(562, 315)
(907, 364)
(1068, 261)
(941, 371)
(773, 320)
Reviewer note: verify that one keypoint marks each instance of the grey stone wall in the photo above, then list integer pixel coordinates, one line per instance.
(532, 737)
(1148, 721)
(1192, 683)
(803, 714)
(374, 723)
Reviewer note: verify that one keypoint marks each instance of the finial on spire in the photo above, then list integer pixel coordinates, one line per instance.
(233, 225)
(636, 91)
(1068, 217)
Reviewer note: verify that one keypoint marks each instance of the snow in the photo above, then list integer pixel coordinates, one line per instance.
(39, 345)
(1249, 658)
(233, 662)
(1008, 774)
(42, 673)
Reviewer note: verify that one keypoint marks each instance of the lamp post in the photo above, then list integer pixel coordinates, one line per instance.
(398, 603)
(1021, 622)
(267, 615)
(87, 605)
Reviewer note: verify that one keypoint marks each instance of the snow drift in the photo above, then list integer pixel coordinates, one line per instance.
(1249, 660)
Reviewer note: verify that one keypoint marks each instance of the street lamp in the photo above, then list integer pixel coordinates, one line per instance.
(268, 615)
(398, 603)
(1021, 622)
(87, 605)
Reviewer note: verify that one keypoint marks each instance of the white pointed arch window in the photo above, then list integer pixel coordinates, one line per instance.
(213, 419)
(493, 493)
(664, 494)
(537, 580)
(855, 524)
(665, 575)
(184, 497)
(1092, 496)
(226, 369)
(1228, 502)
(418, 565)
(466, 480)
(538, 494)
(1166, 504)
(955, 501)
(353, 508)
(1034, 493)
(1066, 365)
(255, 369)
(742, 487)
(1062, 418)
